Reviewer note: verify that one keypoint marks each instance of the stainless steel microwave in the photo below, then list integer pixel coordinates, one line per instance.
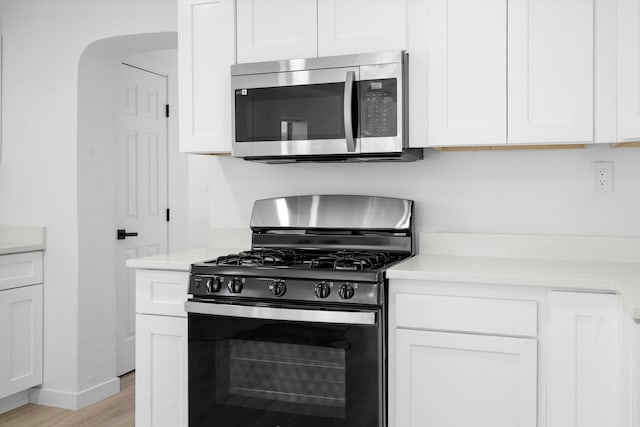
(340, 108)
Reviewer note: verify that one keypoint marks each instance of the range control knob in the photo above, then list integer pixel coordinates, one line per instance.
(346, 291)
(322, 290)
(234, 285)
(278, 288)
(216, 284)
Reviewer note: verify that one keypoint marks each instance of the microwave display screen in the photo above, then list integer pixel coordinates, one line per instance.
(378, 108)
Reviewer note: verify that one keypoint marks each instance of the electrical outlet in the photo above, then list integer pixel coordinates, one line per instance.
(602, 176)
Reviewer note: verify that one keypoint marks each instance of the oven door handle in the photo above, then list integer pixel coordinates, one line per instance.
(288, 314)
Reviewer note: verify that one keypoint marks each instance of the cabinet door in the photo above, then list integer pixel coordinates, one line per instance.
(458, 72)
(582, 384)
(20, 339)
(357, 26)
(161, 371)
(461, 380)
(550, 69)
(206, 49)
(629, 70)
(276, 29)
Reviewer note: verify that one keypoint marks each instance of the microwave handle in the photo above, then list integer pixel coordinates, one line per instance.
(348, 119)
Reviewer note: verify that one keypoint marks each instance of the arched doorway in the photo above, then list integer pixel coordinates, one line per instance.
(101, 267)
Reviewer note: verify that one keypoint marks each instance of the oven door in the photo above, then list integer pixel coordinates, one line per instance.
(265, 366)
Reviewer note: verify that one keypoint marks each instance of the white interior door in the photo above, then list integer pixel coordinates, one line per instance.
(142, 189)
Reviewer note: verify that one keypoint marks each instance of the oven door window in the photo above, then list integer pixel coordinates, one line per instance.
(251, 372)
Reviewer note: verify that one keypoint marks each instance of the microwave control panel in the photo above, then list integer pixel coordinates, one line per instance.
(378, 107)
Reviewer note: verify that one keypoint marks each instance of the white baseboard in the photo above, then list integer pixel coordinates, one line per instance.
(74, 401)
(14, 401)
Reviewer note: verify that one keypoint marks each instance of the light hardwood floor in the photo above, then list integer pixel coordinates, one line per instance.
(116, 411)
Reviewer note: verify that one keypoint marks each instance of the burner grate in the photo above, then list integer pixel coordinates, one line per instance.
(352, 260)
(309, 259)
(259, 258)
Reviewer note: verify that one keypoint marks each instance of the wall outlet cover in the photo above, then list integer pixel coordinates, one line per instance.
(602, 177)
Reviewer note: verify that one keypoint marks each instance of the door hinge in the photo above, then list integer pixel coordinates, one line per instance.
(166, 110)
(168, 214)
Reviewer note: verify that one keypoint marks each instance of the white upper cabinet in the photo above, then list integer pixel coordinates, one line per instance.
(458, 72)
(482, 72)
(550, 71)
(357, 26)
(206, 49)
(629, 70)
(605, 81)
(276, 29)
(494, 72)
(289, 29)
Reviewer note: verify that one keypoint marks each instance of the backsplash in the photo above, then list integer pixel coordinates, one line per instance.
(518, 191)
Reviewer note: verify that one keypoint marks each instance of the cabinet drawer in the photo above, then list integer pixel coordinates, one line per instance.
(466, 314)
(20, 270)
(161, 292)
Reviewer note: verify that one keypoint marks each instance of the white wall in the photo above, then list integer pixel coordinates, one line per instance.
(98, 90)
(96, 217)
(531, 191)
(42, 45)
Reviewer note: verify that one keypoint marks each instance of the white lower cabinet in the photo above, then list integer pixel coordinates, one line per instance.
(20, 339)
(161, 371)
(161, 349)
(461, 380)
(503, 356)
(583, 385)
(462, 359)
(20, 324)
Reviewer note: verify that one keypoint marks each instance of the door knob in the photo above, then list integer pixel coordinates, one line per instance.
(122, 234)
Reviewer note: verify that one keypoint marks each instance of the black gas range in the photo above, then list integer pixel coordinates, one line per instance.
(293, 331)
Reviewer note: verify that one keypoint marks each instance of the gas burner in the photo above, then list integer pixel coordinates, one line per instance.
(351, 260)
(349, 263)
(259, 258)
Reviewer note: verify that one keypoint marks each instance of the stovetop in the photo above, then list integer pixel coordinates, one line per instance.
(302, 263)
(308, 259)
(322, 276)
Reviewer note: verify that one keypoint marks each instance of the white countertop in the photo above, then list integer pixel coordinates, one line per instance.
(221, 241)
(180, 260)
(19, 238)
(614, 269)
(600, 264)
